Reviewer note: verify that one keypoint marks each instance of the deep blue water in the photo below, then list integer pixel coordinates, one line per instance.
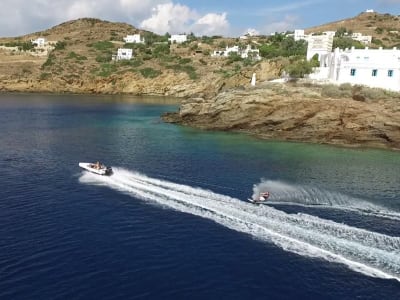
(173, 221)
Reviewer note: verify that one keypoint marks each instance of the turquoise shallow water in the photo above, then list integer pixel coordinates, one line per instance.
(173, 220)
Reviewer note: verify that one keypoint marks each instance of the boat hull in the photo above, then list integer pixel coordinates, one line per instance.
(103, 170)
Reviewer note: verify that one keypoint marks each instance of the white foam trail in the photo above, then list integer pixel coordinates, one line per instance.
(370, 253)
(284, 193)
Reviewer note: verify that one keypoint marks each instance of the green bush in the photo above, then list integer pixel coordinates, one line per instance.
(279, 45)
(73, 55)
(44, 76)
(188, 69)
(106, 70)
(233, 57)
(49, 62)
(103, 58)
(166, 58)
(160, 50)
(299, 68)
(133, 63)
(185, 60)
(207, 40)
(140, 47)
(333, 91)
(102, 45)
(25, 46)
(60, 45)
(346, 42)
(373, 93)
(150, 72)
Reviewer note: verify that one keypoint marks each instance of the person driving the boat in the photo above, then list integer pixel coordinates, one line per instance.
(97, 166)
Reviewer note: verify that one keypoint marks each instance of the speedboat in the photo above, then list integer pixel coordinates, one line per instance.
(261, 198)
(96, 168)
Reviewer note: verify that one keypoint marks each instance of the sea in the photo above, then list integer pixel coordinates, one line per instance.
(174, 220)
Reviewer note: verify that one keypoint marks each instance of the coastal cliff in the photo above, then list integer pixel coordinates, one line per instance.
(295, 112)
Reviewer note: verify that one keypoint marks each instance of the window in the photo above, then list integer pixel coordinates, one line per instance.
(353, 72)
(374, 72)
(390, 73)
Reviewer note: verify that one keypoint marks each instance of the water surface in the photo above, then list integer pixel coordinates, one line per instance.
(173, 221)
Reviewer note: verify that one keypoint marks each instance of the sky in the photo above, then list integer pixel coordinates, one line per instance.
(208, 17)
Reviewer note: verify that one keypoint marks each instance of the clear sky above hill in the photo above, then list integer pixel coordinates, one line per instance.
(202, 17)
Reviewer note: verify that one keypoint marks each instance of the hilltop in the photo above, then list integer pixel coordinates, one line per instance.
(384, 28)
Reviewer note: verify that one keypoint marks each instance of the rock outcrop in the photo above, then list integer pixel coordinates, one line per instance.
(296, 113)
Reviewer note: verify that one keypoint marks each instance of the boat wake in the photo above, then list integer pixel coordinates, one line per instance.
(288, 194)
(364, 251)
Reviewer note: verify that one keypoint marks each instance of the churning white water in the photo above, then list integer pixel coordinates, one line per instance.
(368, 252)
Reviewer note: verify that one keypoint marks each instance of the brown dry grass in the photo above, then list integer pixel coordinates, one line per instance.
(379, 26)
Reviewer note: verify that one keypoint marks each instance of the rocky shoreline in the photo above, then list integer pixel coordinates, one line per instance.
(292, 112)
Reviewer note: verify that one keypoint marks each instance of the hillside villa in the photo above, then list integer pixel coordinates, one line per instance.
(365, 39)
(371, 67)
(178, 38)
(357, 36)
(248, 52)
(378, 68)
(320, 44)
(134, 38)
(39, 42)
(123, 54)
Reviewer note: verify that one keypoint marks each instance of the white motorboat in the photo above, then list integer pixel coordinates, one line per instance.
(96, 168)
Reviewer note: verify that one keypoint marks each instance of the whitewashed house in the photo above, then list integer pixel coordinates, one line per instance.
(124, 53)
(320, 44)
(299, 35)
(134, 38)
(226, 52)
(365, 39)
(178, 38)
(378, 68)
(250, 33)
(40, 42)
(248, 52)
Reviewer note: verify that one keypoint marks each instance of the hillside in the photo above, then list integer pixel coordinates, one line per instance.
(384, 28)
(79, 59)
(81, 63)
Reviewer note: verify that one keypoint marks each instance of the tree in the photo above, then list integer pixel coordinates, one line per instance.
(346, 42)
(299, 68)
(341, 32)
(283, 47)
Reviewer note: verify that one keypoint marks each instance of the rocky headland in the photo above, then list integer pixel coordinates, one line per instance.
(298, 112)
(215, 92)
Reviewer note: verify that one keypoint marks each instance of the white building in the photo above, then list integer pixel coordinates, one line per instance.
(250, 32)
(124, 53)
(135, 38)
(371, 67)
(248, 52)
(178, 38)
(226, 52)
(365, 39)
(299, 35)
(320, 44)
(40, 42)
